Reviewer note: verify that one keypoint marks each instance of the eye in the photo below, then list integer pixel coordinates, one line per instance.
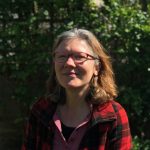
(60, 56)
(80, 56)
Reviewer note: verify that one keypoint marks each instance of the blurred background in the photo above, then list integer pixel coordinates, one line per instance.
(27, 31)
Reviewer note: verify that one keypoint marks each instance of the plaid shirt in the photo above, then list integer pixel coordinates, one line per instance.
(108, 129)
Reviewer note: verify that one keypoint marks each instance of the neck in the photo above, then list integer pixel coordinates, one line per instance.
(76, 98)
(76, 109)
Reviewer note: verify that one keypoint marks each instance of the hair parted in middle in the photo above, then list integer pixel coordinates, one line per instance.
(102, 86)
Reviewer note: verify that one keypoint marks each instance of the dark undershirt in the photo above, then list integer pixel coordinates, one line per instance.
(66, 131)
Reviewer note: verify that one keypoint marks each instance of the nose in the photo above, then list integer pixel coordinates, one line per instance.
(70, 62)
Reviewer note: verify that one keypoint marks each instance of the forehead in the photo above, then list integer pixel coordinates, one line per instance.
(74, 45)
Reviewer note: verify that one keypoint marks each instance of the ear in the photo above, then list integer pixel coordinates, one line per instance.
(96, 70)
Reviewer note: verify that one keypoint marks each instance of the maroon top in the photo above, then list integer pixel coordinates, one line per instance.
(108, 128)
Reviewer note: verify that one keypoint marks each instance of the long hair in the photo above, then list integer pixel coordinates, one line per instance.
(102, 86)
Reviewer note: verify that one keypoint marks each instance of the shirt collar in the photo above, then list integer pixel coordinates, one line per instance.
(44, 111)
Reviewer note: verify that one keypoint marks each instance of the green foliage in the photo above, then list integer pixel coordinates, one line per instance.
(140, 144)
(30, 27)
(129, 38)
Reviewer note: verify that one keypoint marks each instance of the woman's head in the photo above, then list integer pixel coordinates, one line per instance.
(81, 61)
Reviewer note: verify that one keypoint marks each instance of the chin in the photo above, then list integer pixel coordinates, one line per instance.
(67, 85)
(71, 86)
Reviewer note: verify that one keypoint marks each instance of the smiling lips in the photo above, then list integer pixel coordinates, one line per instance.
(72, 74)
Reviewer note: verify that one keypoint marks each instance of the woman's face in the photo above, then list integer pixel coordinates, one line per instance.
(77, 70)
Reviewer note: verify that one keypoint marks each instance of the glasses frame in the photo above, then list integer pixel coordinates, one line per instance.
(72, 55)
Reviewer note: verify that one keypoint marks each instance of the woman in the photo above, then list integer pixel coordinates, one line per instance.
(79, 112)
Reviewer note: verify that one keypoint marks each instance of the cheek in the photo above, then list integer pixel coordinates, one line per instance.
(89, 69)
(86, 74)
(57, 67)
(56, 70)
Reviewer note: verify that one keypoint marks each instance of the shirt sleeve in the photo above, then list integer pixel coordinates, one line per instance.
(120, 136)
(30, 136)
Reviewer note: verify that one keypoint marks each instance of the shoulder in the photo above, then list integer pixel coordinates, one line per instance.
(43, 110)
(116, 106)
(120, 112)
(110, 103)
(43, 104)
(110, 109)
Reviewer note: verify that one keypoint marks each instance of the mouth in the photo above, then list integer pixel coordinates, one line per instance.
(71, 74)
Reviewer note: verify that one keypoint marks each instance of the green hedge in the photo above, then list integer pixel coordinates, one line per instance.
(30, 27)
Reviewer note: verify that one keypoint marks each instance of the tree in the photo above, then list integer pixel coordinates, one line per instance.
(30, 27)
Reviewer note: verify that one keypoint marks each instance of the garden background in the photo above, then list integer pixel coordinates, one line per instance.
(27, 31)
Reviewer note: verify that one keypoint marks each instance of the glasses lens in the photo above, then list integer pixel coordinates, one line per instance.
(79, 58)
(60, 58)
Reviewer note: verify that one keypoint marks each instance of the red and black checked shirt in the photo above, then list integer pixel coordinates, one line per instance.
(108, 129)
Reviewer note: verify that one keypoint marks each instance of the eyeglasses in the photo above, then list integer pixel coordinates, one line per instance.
(78, 58)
